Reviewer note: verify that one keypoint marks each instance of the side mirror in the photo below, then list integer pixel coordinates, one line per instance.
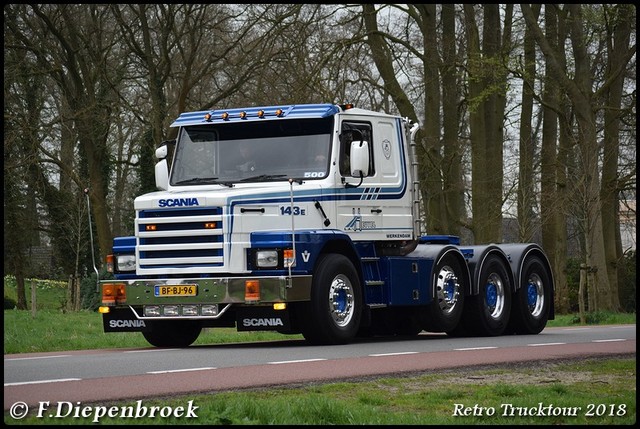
(162, 152)
(359, 157)
(162, 174)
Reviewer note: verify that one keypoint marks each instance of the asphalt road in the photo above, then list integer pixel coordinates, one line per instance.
(115, 374)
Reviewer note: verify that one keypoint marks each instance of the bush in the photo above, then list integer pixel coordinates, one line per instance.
(9, 303)
(627, 286)
(90, 297)
(573, 283)
(591, 318)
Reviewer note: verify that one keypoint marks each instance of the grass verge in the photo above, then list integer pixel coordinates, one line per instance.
(593, 391)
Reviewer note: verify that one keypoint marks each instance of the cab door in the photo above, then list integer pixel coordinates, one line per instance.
(376, 207)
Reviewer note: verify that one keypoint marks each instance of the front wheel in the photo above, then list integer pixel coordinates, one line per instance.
(172, 333)
(445, 310)
(334, 312)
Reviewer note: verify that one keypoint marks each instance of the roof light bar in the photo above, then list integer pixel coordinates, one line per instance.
(226, 116)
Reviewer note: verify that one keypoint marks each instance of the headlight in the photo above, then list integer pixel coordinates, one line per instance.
(125, 263)
(267, 258)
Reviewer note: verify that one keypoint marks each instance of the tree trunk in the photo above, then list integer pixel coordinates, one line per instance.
(560, 212)
(526, 197)
(479, 182)
(553, 176)
(579, 90)
(431, 162)
(452, 163)
(382, 58)
(581, 289)
(487, 86)
(609, 194)
(21, 303)
(34, 301)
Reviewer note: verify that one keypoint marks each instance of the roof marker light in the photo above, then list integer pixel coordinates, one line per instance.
(243, 115)
(225, 116)
(260, 113)
(207, 117)
(279, 112)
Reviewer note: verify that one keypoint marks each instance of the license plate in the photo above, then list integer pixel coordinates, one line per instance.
(176, 290)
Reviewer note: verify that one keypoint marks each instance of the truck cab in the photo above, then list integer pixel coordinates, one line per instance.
(297, 218)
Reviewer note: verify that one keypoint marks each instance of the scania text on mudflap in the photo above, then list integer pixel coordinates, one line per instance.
(306, 219)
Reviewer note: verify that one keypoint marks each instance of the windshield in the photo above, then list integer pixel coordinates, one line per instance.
(268, 150)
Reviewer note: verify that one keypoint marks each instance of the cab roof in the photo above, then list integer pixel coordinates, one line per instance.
(257, 114)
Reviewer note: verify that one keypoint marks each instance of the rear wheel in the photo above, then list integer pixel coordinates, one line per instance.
(487, 313)
(532, 301)
(445, 310)
(172, 333)
(334, 312)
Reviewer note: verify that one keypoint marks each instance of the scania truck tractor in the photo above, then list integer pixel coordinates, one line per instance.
(305, 219)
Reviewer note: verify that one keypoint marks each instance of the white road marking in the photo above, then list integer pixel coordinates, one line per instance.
(42, 381)
(609, 341)
(393, 354)
(37, 357)
(180, 370)
(546, 344)
(294, 361)
(476, 348)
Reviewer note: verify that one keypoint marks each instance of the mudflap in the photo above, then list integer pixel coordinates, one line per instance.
(262, 319)
(123, 320)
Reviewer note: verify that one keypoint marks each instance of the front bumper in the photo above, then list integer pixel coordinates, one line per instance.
(218, 290)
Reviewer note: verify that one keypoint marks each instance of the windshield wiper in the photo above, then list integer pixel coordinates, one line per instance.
(263, 177)
(203, 181)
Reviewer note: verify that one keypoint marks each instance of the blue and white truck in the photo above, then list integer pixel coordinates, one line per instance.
(306, 219)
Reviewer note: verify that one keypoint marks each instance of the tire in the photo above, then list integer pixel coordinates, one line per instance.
(334, 312)
(487, 313)
(532, 300)
(172, 333)
(445, 311)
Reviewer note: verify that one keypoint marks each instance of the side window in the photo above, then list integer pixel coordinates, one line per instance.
(349, 132)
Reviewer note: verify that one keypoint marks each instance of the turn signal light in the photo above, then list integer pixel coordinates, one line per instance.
(121, 294)
(252, 290)
(109, 260)
(289, 258)
(113, 293)
(109, 294)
